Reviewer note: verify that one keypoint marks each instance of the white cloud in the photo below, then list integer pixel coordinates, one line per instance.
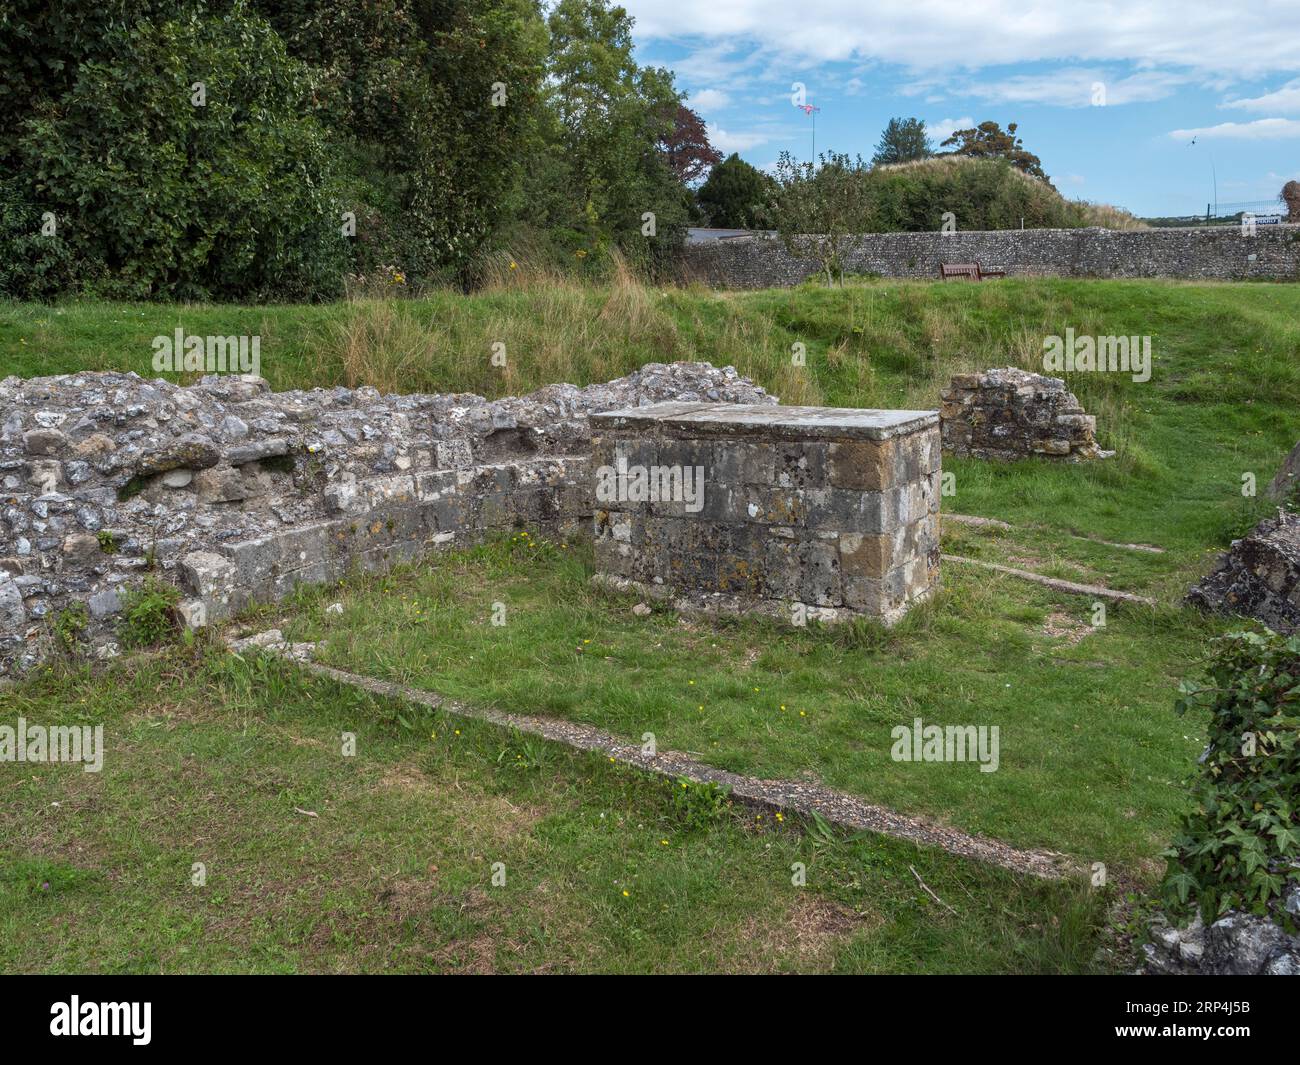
(1285, 100)
(1241, 39)
(709, 100)
(946, 127)
(1261, 129)
(727, 143)
(1074, 87)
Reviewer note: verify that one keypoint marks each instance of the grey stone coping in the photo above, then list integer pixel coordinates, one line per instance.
(754, 419)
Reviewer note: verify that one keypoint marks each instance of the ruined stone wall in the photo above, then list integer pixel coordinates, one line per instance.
(1013, 414)
(234, 493)
(1216, 253)
(798, 512)
(1258, 577)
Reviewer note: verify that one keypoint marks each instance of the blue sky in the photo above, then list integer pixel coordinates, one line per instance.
(1193, 91)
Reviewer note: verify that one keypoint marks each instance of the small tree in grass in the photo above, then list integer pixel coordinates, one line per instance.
(819, 210)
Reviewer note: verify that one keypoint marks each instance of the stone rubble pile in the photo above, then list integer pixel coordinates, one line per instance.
(236, 492)
(1258, 577)
(1237, 944)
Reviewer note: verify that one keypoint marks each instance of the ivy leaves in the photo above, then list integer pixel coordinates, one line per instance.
(1240, 844)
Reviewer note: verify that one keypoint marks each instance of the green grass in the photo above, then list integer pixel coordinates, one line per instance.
(212, 760)
(1092, 757)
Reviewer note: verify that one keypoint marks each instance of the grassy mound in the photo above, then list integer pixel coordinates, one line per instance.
(982, 193)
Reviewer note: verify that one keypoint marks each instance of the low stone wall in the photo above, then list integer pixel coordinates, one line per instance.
(1220, 253)
(1013, 414)
(234, 492)
(798, 512)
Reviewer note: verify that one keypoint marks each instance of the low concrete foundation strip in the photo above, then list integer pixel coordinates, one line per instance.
(1055, 583)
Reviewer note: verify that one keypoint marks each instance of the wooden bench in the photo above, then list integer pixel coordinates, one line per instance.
(966, 271)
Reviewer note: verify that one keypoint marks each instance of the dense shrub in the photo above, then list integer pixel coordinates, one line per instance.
(915, 196)
(981, 193)
(230, 199)
(437, 125)
(1242, 836)
(34, 263)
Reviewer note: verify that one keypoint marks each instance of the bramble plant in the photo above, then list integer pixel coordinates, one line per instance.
(1242, 836)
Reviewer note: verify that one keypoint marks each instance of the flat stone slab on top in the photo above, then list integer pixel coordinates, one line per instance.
(784, 422)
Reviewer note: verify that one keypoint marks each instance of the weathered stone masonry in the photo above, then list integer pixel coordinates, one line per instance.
(806, 512)
(236, 493)
(1220, 253)
(1011, 414)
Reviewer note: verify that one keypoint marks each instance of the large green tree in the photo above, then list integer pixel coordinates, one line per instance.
(736, 195)
(904, 140)
(438, 127)
(436, 102)
(609, 118)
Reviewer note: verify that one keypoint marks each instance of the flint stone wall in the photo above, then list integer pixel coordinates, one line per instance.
(1219, 253)
(1259, 576)
(1012, 414)
(235, 492)
(808, 512)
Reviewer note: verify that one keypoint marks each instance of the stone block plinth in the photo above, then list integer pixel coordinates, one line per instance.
(799, 512)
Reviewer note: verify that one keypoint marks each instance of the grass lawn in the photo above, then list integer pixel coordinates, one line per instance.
(1091, 754)
(210, 755)
(383, 861)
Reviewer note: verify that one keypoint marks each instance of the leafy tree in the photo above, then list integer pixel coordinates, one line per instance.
(34, 263)
(818, 210)
(989, 141)
(903, 140)
(610, 116)
(442, 125)
(436, 100)
(736, 195)
(43, 45)
(687, 147)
